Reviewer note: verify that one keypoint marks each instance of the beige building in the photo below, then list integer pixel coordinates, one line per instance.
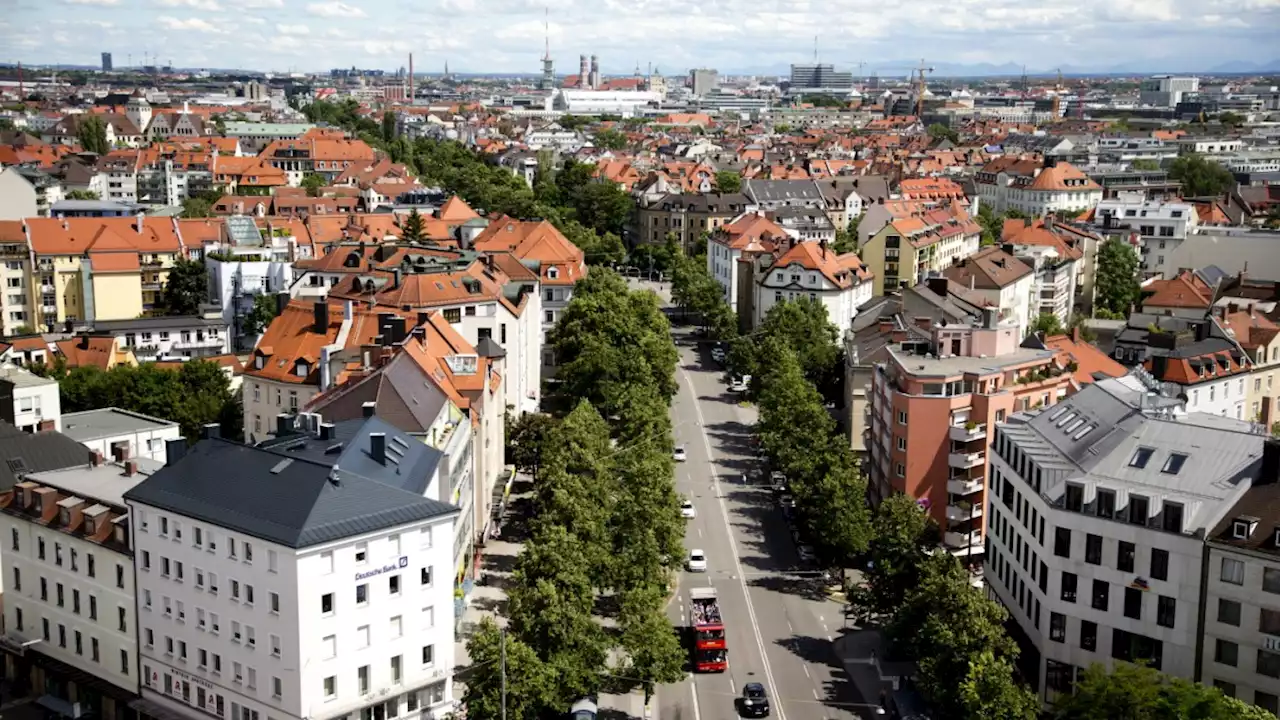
(1258, 336)
(688, 216)
(907, 250)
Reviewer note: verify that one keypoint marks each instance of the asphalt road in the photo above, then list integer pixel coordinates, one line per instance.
(779, 623)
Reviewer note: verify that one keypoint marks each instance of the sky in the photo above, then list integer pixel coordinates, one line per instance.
(674, 35)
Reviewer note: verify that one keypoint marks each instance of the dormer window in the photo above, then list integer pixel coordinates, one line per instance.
(553, 273)
(303, 368)
(1242, 528)
(259, 362)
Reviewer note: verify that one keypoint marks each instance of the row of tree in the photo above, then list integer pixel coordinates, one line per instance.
(194, 395)
(606, 529)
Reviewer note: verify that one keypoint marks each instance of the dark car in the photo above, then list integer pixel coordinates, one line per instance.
(754, 701)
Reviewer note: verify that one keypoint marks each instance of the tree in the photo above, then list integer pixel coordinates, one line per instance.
(802, 325)
(93, 135)
(901, 537)
(610, 139)
(196, 207)
(82, 195)
(502, 665)
(989, 691)
(1048, 324)
(185, 289)
(24, 330)
(413, 229)
(654, 655)
(220, 125)
(1136, 692)
(388, 127)
(847, 239)
(1232, 119)
(313, 183)
(527, 438)
(728, 181)
(938, 131)
(1116, 286)
(261, 315)
(1145, 164)
(1200, 176)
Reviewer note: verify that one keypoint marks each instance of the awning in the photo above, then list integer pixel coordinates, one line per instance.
(156, 711)
(59, 706)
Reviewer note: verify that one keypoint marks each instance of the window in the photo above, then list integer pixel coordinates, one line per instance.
(396, 669)
(1226, 652)
(397, 627)
(17, 579)
(1069, 587)
(362, 553)
(1228, 612)
(1074, 497)
(428, 654)
(1062, 542)
(1174, 463)
(1133, 603)
(1106, 503)
(1271, 580)
(426, 576)
(1138, 510)
(393, 584)
(362, 637)
(1093, 549)
(1089, 635)
(330, 687)
(362, 674)
(329, 646)
(362, 593)
(1124, 556)
(326, 604)
(1101, 595)
(1232, 571)
(277, 687)
(1141, 457)
(1267, 701)
(1159, 564)
(1057, 627)
(275, 645)
(275, 602)
(1166, 609)
(1268, 663)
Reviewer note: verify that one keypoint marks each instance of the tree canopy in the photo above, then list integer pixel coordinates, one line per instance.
(728, 181)
(93, 135)
(1048, 324)
(938, 131)
(1200, 176)
(609, 139)
(1135, 692)
(313, 183)
(1116, 286)
(185, 288)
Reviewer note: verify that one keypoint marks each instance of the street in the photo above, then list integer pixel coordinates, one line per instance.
(779, 624)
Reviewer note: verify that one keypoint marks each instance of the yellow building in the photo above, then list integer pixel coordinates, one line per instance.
(98, 268)
(907, 249)
(1260, 338)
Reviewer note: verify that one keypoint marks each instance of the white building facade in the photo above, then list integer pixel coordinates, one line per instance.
(1162, 227)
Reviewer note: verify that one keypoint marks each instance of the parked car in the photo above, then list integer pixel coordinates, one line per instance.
(697, 561)
(806, 553)
(740, 384)
(718, 353)
(679, 454)
(754, 701)
(687, 510)
(584, 709)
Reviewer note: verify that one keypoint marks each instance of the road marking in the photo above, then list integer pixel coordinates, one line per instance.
(806, 671)
(733, 544)
(790, 627)
(693, 686)
(815, 695)
(699, 532)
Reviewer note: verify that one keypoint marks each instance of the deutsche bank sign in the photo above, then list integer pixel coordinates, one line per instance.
(400, 565)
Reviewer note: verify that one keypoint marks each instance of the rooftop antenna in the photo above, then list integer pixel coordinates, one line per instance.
(546, 32)
(815, 49)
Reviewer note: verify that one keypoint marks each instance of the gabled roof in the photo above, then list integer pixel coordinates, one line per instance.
(1184, 290)
(843, 271)
(535, 242)
(988, 269)
(25, 452)
(456, 211)
(268, 494)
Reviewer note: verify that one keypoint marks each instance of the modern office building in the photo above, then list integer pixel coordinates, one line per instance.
(703, 81)
(819, 77)
(107, 65)
(273, 583)
(1166, 91)
(1097, 518)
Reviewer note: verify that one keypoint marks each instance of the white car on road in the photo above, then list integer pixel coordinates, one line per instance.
(687, 510)
(697, 561)
(679, 454)
(740, 385)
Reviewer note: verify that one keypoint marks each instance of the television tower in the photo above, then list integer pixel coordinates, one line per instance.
(548, 65)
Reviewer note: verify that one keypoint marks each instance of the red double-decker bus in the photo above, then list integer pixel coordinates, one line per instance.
(709, 651)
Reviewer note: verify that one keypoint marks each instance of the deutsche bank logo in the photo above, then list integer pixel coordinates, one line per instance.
(404, 562)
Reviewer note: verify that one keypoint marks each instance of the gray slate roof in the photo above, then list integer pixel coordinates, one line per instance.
(271, 495)
(108, 422)
(348, 449)
(794, 192)
(26, 452)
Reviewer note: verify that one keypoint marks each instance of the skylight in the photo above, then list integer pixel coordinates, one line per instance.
(1084, 431)
(1057, 413)
(1141, 457)
(1072, 427)
(1174, 463)
(1066, 419)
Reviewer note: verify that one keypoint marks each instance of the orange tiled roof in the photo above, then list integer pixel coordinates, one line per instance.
(88, 351)
(752, 232)
(843, 271)
(76, 236)
(1184, 290)
(1087, 357)
(537, 241)
(292, 336)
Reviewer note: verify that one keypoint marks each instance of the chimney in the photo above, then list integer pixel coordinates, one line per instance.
(95, 458)
(120, 452)
(395, 277)
(378, 447)
(1075, 333)
(174, 450)
(1270, 462)
(211, 431)
(938, 285)
(282, 301)
(138, 223)
(321, 315)
(990, 318)
(327, 431)
(284, 424)
(1202, 330)
(924, 322)
(367, 409)
(885, 326)
(47, 426)
(131, 468)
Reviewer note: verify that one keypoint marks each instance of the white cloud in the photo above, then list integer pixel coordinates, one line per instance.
(210, 5)
(335, 10)
(194, 24)
(293, 29)
(257, 4)
(100, 3)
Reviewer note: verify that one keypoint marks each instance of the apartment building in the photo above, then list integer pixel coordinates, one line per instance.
(995, 278)
(743, 240)
(171, 337)
(254, 137)
(1259, 337)
(1195, 358)
(272, 583)
(906, 250)
(687, 216)
(1162, 226)
(1036, 187)
(1098, 518)
(16, 310)
(932, 405)
(1056, 255)
(27, 401)
(327, 152)
(1241, 646)
(842, 283)
(70, 619)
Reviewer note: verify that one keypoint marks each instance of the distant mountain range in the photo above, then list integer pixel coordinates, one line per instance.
(901, 68)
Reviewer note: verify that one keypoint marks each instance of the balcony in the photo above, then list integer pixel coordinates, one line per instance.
(964, 461)
(964, 486)
(49, 309)
(192, 344)
(967, 432)
(963, 512)
(962, 541)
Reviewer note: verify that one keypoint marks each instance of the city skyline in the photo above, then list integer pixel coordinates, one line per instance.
(508, 36)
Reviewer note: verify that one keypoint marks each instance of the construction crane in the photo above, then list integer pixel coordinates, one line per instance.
(1057, 97)
(920, 89)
